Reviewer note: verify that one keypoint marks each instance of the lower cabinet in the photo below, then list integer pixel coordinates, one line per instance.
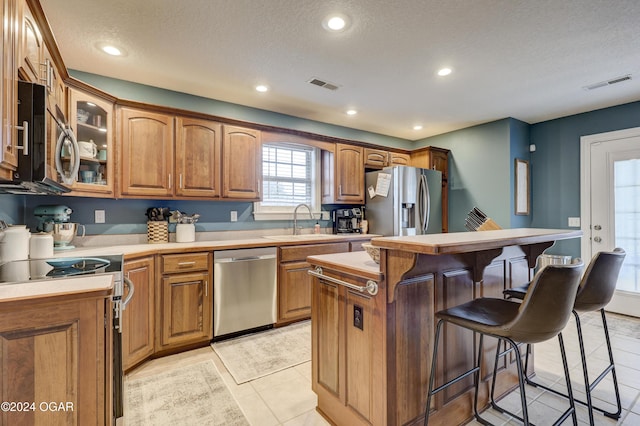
(344, 349)
(294, 283)
(185, 301)
(55, 359)
(138, 322)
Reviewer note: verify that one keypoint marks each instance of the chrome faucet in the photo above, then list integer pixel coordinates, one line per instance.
(295, 216)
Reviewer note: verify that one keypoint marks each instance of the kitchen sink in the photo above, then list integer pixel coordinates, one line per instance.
(302, 237)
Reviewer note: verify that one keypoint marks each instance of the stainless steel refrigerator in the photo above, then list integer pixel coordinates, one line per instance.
(404, 201)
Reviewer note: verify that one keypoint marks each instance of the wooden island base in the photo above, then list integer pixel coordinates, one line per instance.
(371, 353)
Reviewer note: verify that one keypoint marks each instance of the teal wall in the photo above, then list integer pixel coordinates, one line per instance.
(481, 170)
(153, 95)
(556, 165)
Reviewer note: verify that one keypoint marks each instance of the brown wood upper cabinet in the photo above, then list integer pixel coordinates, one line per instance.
(198, 151)
(92, 120)
(343, 175)
(32, 66)
(204, 160)
(377, 159)
(242, 163)
(399, 159)
(146, 153)
(436, 159)
(8, 89)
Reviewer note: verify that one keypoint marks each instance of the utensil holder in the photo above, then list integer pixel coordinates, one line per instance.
(157, 232)
(185, 232)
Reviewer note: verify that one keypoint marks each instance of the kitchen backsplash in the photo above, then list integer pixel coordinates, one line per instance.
(128, 216)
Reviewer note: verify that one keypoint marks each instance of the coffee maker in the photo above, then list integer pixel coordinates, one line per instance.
(347, 221)
(57, 220)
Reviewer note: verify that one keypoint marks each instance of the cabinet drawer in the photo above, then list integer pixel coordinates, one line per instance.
(172, 263)
(291, 253)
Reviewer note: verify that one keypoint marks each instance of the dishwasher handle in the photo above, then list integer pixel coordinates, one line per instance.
(244, 259)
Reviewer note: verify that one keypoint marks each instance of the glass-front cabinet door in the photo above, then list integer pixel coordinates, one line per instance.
(91, 118)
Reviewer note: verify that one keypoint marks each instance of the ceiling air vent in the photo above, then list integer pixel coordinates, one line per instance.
(608, 82)
(322, 83)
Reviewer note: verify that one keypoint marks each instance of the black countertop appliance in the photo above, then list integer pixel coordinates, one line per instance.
(347, 221)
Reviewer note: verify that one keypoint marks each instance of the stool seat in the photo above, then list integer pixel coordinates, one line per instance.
(487, 315)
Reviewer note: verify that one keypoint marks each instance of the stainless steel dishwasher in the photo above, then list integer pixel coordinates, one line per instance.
(244, 290)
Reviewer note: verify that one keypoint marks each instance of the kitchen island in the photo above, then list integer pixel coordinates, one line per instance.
(372, 345)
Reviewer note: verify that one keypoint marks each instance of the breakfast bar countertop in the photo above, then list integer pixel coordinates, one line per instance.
(464, 242)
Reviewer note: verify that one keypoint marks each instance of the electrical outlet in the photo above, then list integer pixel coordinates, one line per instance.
(100, 216)
(358, 320)
(234, 216)
(574, 222)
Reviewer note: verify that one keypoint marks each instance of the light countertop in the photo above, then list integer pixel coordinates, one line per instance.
(464, 242)
(132, 250)
(357, 263)
(58, 287)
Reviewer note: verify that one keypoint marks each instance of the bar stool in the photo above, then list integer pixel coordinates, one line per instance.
(542, 315)
(595, 292)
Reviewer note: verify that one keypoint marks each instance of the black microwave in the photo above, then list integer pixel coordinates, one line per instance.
(36, 173)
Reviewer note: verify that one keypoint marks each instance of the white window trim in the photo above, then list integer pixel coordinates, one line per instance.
(261, 212)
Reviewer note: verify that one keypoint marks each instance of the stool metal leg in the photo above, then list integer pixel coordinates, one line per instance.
(590, 386)
(612, 368)
(475, 371)
(522, 379)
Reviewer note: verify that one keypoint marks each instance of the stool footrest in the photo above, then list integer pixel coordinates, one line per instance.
(456, 380)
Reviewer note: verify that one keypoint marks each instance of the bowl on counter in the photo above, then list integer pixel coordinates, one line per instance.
(373, 252)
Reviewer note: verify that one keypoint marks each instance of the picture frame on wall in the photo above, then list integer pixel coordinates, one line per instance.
(522, 187)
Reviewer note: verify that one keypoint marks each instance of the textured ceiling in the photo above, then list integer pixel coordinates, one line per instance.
(511, 58)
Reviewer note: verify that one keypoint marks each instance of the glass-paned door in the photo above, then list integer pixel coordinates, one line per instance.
(615, 213)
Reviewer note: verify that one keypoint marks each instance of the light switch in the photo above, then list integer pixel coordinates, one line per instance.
(574, 222)
(100, 216)
(234, 216)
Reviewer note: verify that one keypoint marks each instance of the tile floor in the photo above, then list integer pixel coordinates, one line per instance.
(285, 398)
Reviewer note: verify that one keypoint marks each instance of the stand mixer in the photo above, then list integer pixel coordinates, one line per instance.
(56, 219)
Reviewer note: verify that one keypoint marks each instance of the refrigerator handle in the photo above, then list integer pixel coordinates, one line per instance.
(425, 203)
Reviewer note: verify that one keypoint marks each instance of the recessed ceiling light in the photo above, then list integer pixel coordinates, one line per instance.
(262, 88)
(335, 22)
(444, 71)
(351, 112)
(417, 127)
(111, 50)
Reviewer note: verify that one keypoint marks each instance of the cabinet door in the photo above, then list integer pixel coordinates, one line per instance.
(185, 310)
(294, 291)
(146, 154)
(242, 163)
(375, 158)
(31, 46)
(398, 159)
(198, 158)
(9, 88)
(56, 353)
(138, 317)
(349, 174)
(91, 118)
